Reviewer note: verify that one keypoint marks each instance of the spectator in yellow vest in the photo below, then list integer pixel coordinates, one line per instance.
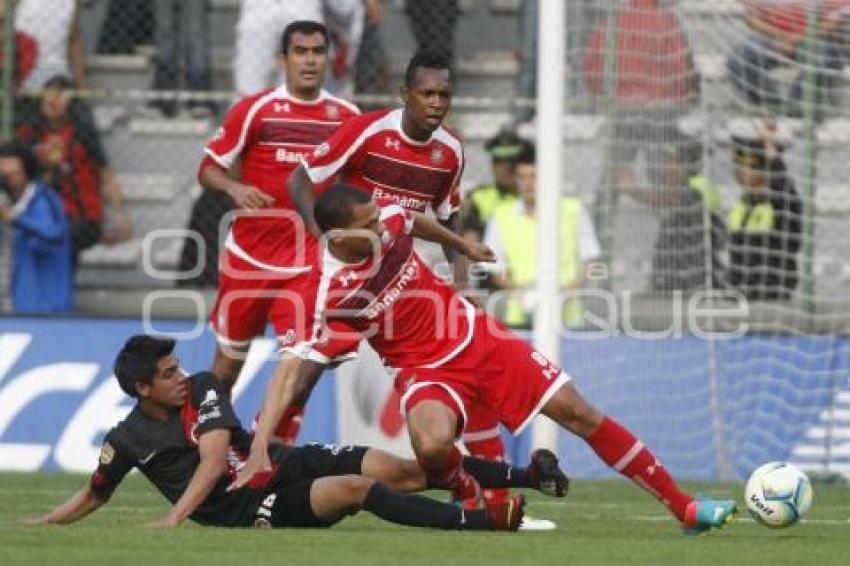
(512, 235)
(690, 229)
(478, 206)
(765, 225)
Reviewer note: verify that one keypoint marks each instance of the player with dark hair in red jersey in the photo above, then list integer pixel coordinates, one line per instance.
(406, 155)
(264, 272)
(447, 354)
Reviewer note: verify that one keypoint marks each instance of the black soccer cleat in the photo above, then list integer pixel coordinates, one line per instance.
(545, 474)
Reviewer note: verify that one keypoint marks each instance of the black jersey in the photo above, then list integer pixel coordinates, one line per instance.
(166, 452)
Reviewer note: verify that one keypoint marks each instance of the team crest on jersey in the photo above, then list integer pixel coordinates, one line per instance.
(282, 107)
(219, 133)
(332, 112)
(322, 150)
(107, 453)
(393, 143)
(437, 156)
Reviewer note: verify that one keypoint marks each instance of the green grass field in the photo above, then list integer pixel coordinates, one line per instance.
(608, 522)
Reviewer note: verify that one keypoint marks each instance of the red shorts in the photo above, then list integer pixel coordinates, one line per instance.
(482, 423)
(497, 370)
(249, 297)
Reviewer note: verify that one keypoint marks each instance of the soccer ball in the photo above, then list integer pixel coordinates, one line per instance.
(778, 494)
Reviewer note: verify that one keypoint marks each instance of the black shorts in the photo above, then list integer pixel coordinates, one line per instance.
(313, 461)
(288, 501)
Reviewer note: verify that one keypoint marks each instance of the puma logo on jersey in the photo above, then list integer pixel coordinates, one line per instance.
(211, 398)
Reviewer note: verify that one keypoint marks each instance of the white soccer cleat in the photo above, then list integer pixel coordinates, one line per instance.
(534, 524)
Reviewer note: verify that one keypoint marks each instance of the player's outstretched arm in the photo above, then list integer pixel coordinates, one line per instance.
(78, 506)
(212, 447)
(301, 191)
(458, 261)
(283, 388)
(431, 230)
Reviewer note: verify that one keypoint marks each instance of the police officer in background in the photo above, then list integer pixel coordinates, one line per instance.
(478, 206)
(504, 149)
(765, 224)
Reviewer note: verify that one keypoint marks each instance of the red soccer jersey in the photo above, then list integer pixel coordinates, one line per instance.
(411, 317)
(271, 132)
(373, 153)
(653, 63)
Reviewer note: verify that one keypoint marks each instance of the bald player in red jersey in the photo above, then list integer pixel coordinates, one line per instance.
(407, 156)
(264, 269)
(447, 354)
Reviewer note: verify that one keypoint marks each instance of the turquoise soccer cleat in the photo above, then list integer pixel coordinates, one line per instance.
(703, 515)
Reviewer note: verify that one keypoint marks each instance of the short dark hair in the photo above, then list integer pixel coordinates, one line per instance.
(137, 361)
(333, 208)
(427, 60)
(60, 82)
(306, 27)
(23, 153)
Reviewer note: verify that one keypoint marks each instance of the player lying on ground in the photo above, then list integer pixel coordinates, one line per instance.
(448, 355)
(184, 437)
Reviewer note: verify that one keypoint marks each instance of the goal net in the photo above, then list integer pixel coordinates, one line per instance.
(710, 140)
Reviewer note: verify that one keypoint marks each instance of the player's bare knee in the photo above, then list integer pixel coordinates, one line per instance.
(411, 476)
(356, 488)
(432, 446)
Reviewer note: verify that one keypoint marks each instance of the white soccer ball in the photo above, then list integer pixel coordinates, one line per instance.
(778, 494)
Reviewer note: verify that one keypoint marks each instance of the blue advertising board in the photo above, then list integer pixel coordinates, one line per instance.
(58, 396)
(707, 409)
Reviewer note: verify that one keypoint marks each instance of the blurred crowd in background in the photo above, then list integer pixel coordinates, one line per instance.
(631, 61)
